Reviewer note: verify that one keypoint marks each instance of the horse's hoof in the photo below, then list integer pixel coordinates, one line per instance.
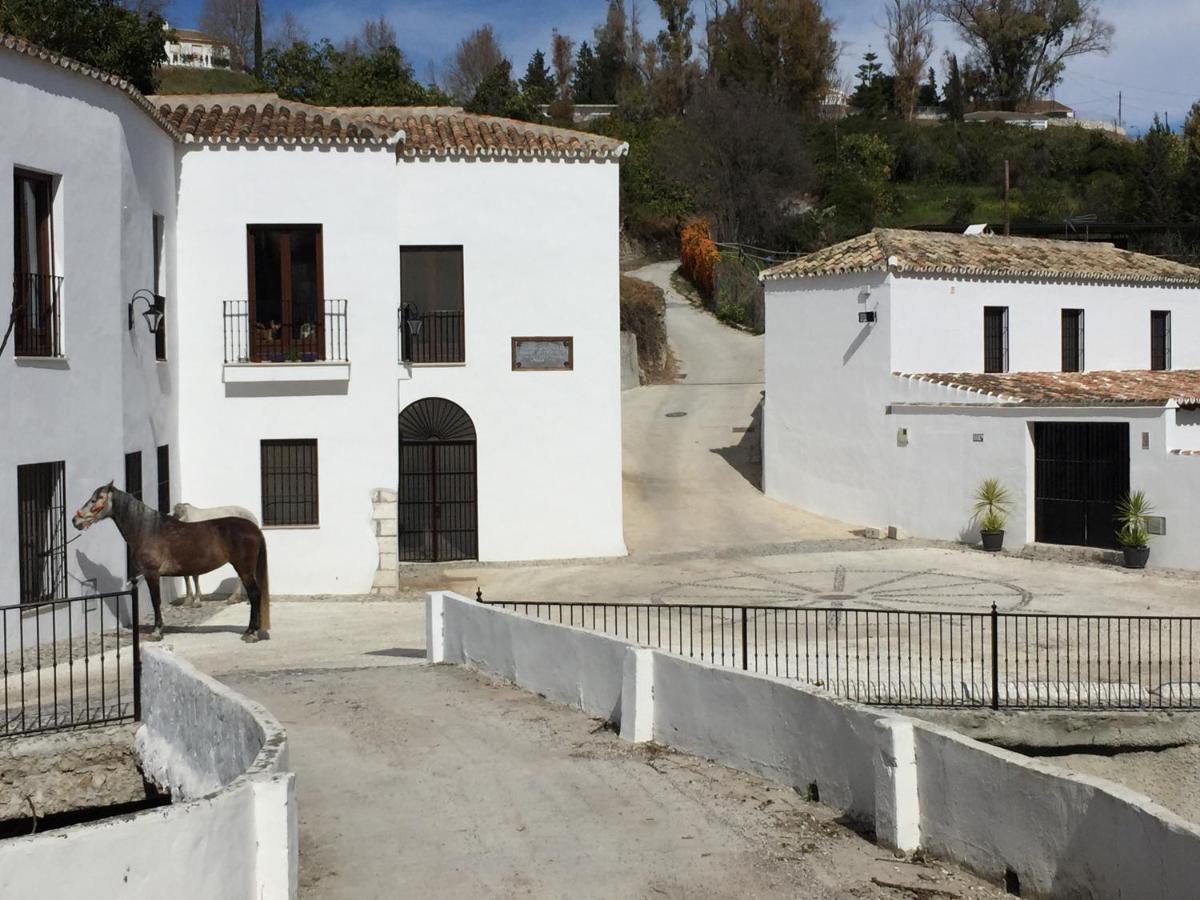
(179, 601)
(250, 637)
(232, 601)
(154, 636)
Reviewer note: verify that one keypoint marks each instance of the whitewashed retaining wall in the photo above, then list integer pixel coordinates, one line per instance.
(232, 832)
(919, 785)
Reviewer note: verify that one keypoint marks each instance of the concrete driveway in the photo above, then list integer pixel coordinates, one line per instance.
(691, 459)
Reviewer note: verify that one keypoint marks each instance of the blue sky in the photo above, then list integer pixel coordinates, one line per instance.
(1153, 57)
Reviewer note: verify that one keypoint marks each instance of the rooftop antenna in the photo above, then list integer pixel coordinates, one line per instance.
(1071, 223)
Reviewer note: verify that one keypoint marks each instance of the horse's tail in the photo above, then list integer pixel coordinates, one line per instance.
(260, 576)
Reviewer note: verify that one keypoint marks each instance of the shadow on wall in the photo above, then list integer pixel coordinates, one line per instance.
(859, 340)
(97, 576)
(286, 388)
(746, 455)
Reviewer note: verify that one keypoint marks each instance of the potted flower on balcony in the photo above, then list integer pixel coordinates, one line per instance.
(1132, 533)
(991, 512)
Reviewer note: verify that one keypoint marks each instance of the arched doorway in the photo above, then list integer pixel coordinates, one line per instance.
(437, 517)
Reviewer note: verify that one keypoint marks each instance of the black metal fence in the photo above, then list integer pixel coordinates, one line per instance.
(70, 663)
(928, 659)
(37, 319)
(431, 337)
(294, 338)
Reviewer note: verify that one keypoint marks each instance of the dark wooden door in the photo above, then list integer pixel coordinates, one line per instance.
(287, 293)
(437, 500)
(1082, 471)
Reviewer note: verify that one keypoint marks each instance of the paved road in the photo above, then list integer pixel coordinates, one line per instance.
(692, 480)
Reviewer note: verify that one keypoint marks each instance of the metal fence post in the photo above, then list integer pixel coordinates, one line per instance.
(995, 658)
(745, 662)
(137, 655)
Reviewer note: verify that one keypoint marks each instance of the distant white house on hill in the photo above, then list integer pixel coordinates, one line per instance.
(197, 50)
(903, 368)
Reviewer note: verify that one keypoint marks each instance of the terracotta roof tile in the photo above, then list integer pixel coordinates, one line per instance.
(939, 253)
(264, 118)
(1126, 387)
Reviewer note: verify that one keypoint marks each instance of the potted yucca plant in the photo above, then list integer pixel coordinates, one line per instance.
(991, 512)
(1132, 533)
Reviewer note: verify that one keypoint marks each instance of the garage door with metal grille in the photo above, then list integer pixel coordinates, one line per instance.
(1082, 471)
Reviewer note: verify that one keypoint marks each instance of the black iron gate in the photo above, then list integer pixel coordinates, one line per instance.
(1082, 470)
(437, 489)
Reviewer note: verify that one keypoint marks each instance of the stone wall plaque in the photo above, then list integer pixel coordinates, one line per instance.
(543, 354)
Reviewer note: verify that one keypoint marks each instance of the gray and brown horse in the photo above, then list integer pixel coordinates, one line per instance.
(163, 546)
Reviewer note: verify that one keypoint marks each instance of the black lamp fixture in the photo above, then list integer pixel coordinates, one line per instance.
(413, 319)
(153, 313)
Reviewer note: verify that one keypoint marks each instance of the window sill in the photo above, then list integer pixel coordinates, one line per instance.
(436, 365)
(291, 527)
(260, 372)
(43, 362)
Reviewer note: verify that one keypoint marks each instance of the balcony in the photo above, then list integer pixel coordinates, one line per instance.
(37, 316)
(431, 337)
(309, 349)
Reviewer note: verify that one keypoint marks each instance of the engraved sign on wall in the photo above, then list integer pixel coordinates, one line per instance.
(541, 354)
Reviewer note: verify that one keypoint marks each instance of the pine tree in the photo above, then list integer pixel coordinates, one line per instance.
(955, 93)
(586, 86)
(927, 95)
(538, 85)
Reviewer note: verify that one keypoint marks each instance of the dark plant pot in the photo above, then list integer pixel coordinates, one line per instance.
(1135, 557)
(308, 356)
(275, 356)
(993, 541)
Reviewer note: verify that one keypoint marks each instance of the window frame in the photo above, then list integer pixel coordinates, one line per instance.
(48, 340)
(446, 347)
(53, 557)
(133, 487)
(317, 345)
(990, 353)
(268, 502)
(1160, 358)
(163, 467)
(1073, 321)
(157, 251)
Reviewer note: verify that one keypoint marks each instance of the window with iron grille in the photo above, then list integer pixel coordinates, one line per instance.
(289, 482)
(1160, 339)
(160, 336)
(995, 339)
(35, 306)
(164, 480)
(42, 531)
(431, 304)
(1072, 340)
(133, 487)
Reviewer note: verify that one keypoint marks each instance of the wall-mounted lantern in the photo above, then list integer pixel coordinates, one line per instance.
(866, 318)
(153, 313)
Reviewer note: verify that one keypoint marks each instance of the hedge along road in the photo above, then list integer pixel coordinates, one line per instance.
(692, 480)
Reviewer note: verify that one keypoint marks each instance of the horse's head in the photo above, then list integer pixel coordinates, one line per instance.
(98, 506)
(181, 510)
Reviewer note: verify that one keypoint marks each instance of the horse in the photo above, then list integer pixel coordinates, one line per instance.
(185, 512)
(163, 546)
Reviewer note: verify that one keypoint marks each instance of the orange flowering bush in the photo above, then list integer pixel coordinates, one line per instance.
(698, 255)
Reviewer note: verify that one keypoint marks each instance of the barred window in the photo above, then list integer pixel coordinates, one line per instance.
(1160, 340)
(995, 339)
(1072, 340)
(42, 531)
(289, 482)
(164, 480)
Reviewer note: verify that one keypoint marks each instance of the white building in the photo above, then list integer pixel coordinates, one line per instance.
(197, 50)
(903, 368)
(481, 421)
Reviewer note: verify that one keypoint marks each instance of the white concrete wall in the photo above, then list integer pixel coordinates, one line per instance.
(917, 784)
(114, 169)
(938, 323)
(540, 258)
(239, 841)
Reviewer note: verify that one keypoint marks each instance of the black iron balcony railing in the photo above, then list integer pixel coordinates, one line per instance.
(37, 325)
(431, 337)
(320, 338)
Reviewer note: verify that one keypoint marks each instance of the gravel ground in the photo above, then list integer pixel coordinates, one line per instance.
(423, 780)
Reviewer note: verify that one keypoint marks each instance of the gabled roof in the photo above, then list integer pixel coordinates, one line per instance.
(417, 131)
(904, 252)
(263, 118)
(1139, 387)
(193, 36)
(450, 131)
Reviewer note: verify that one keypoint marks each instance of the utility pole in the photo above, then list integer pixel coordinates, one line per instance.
(1007, 229)
(1120, 109)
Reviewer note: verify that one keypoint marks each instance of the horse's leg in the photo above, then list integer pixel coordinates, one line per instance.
(250, 583)
(236, 595)
(194, 596)
(156, 599)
